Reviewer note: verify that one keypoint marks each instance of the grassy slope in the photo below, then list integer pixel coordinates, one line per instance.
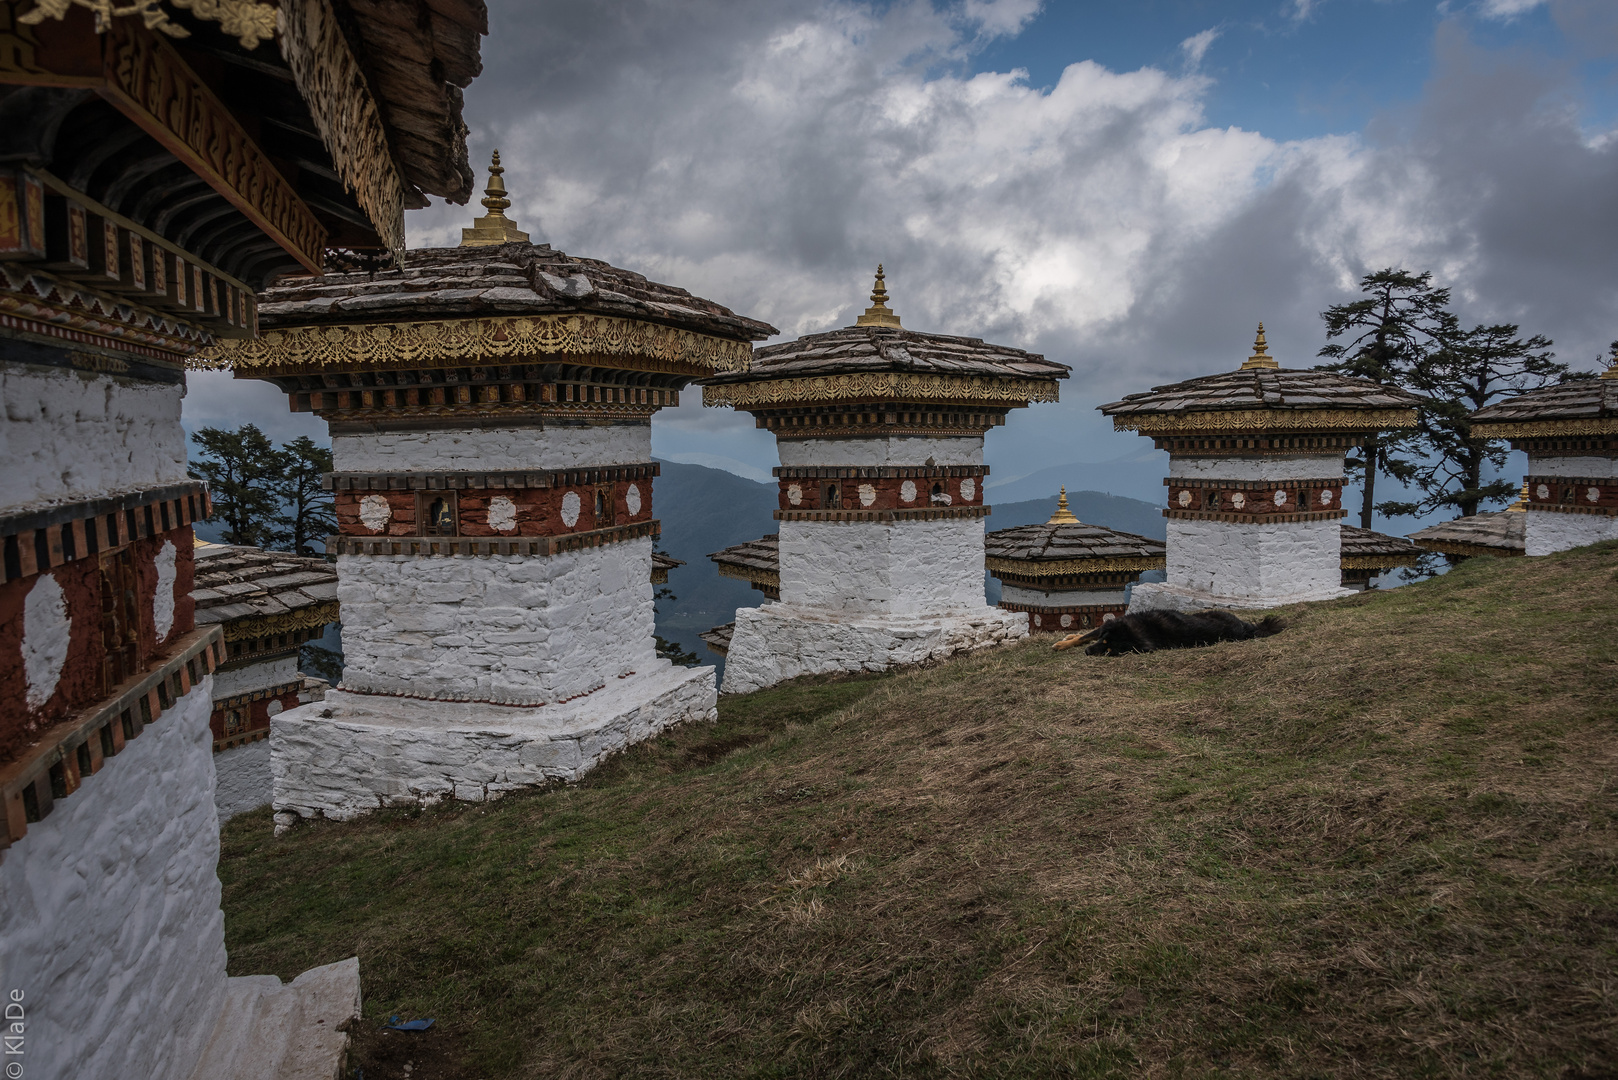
(1384, 843)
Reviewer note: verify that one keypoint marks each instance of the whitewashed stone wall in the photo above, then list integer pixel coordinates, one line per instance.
(782, 641)
(1548, 532)
(493, 448)
(505, 628)
(1301, 467)
(1242, 564)
(1013, 594)
(1596, 468)
(907, 567)
(242, 779)
(352, 754)
(228, 682)
(72, 435)
(109, 912)
(887, 450)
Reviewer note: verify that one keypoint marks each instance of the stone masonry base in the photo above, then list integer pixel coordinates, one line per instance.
(354, 753)
(782, 641)
(1160, 596)
(267, 1031)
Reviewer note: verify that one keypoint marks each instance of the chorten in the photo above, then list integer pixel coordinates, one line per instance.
(880, 433)
(1366, 553)
(1065, 574)
(1570, 434)
(1255, 482)
(490, 410)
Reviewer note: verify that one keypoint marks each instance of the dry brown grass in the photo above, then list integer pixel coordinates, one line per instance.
(1380, 844)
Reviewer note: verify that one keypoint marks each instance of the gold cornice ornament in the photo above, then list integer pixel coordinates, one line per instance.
(750, 574)
(494, 227)
(1260, 360)
(1266, 420)
(454, 342)
(1049, 568)
(879, 386)
(249, 21)
(1546, 429)
(1063, 515)
(285, 622)
(878, 314)
(1378, 562)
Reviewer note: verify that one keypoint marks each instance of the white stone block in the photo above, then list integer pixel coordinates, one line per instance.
(1547, 532)
(883, 450)
(1596, 468)
(1299, 467)
(1016, 594)
(1246, 565)
(782, 641)
(243, 779)
(260, 675)
(352, 754)
(905, 567)
(473, 450)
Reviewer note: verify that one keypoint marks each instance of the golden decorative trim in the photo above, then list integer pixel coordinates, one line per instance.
(455, 342)
(879, 386)
(931, 513)
(285, 622)
(1447, 547)
(1543, 429)
(1378, 562)
(248, 21)
(1249, 519)
(419, 546)
(331, 83)
(1046, 568)
(149, 83)
(751, 574)
(1266, 420)
(1564, 508)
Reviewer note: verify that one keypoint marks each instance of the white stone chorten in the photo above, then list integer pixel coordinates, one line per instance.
(490, 409)
(1570, 433)
(880, 433)
(1255, 482)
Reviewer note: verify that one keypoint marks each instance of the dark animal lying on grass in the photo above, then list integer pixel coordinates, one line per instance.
(1148, 631)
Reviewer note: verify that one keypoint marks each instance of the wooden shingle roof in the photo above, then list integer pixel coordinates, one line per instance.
(1070, 541)
(1590, 404)
(238, 584)
(1503, 532)
(856, 350)
(1366, 549)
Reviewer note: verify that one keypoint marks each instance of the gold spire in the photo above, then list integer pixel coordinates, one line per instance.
(1260, 357)
(1063, 515)
(878, 314)
(1521, 505)
(494, 227)
(1612, 365)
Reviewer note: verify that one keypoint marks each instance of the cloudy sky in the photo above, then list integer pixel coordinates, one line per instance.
(1127, 186)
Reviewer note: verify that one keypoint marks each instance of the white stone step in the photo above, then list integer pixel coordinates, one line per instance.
(270, 1031)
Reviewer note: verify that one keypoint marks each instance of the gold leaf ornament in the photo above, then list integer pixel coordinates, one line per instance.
(248, 20)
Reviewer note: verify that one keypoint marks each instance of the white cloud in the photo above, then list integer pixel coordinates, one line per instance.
(1001, 18)
(1507, 9)
(1195, 47)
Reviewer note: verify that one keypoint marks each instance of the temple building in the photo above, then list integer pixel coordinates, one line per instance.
(880, 433)
(490, 410)
(1255, 482)
(1068, 575)
(269, 605)
(1368, 554)
(1570, 433)
(159, 163)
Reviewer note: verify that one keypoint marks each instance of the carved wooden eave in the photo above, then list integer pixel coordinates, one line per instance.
(1224, 422)
(881, 387)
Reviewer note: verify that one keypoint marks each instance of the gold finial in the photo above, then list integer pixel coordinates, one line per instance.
(494, 227)
(878, 314)
(1521, 505)
(1063, 515)
(1612, 365)
(1260, 357)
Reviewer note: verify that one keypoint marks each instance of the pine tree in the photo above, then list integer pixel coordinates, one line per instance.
(1400, 323)
(243, 469)
(308, 514)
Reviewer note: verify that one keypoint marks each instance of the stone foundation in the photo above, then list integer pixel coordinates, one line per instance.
(243, 779)
(777, 642)
(1548, 532)
(1246, 565)
(354, 753)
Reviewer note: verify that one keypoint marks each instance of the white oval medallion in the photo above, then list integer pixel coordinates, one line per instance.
(1238, 500)
(570, 509)
(1593, 494)
(163, 598)
(1067, 621)
(1108, 617)
(1038, 621)
(632, 499)
(502, 514)
(274, 708)
(907, 491)
(1325, 497)
(794, 494)
(46, 632)
(375, 513)
(1185, 498)
(1544, 491)
(1280, 498)
(867, 494)
(969, 489)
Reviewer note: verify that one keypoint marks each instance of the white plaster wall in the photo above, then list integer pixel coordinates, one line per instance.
(521, 629)
(109, 912)
(883, 450)
(493, 448)
(1548, 532)
(72, 435)
(1596, 468)
(260, 676)
(867, 566)
(1281, 561)
(243, 782)
(1299, 467)
(1012, 594)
